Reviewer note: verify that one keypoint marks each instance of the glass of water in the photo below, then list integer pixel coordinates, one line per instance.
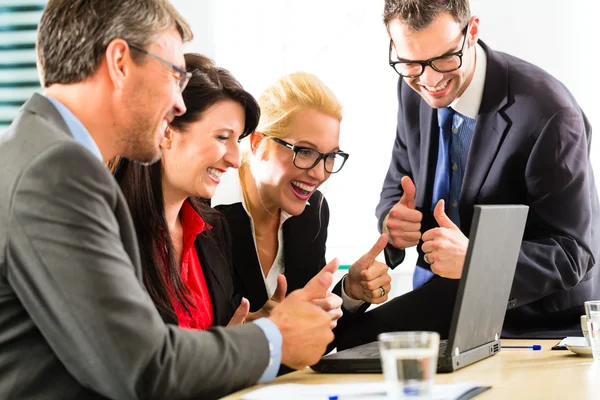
(592, 310)
(409, 363)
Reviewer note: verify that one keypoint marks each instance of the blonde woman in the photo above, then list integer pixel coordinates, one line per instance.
(278, 219)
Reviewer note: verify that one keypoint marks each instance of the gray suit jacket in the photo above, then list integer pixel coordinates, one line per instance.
(75, 319)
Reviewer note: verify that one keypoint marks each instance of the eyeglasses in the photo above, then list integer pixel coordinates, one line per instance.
(307, 158)
(446, 63)
(183, 76)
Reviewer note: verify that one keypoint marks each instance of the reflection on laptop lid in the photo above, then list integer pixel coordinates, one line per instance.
(482, 297)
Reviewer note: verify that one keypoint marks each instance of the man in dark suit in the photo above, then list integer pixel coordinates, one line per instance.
(75, 319)
(477, 126)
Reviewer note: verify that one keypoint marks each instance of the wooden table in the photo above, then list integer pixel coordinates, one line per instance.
(513, 374)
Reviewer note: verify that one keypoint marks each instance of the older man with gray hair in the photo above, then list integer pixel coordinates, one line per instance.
(75, 319)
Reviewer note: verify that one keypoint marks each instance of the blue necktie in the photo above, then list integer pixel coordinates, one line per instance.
(441, 184)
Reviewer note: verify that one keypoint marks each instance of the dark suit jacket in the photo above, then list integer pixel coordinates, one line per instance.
(531, 146)
(304, 239)
(75, 319)
(214, 251)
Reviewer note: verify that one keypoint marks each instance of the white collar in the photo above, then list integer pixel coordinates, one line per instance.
(469, 102)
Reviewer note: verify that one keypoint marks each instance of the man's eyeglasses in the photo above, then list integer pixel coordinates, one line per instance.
(446, 63)
(183, 76)
(307, 158)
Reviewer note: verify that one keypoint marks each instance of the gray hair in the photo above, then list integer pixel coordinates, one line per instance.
(418, 14)
(74, 34)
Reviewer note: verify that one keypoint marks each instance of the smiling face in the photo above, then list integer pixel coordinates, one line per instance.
(280, 184)
(443, 36)
(151, 99)
(194, 160)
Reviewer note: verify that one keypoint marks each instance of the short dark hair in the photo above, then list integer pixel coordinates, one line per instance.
(74, 34)
(418, 14)
(142, 184)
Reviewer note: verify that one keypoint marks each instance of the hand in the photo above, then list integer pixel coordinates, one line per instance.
(332, 304)
(366, 276)
(277, 298)
(239, 316)
(305, 327)
(445, 247)
(403, 222)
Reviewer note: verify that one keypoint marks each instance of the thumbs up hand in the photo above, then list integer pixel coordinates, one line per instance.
(445, 247)
(403, 222)
(368, 279)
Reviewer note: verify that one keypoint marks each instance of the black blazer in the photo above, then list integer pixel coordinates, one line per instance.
(304, 238)
(530, 146)
(214, 251)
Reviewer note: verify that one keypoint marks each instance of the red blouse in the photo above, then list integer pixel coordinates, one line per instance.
(202, 315)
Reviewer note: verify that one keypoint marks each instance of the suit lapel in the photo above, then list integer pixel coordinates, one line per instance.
(245, 259)
(214, 266)
(490, 129)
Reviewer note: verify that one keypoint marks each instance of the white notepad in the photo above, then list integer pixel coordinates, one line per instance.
(364, 391)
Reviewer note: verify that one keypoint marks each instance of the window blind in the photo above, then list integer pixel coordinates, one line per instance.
(18, 75)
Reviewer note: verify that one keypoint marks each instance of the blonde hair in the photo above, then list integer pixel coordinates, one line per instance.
(290, 94)
(280, 102)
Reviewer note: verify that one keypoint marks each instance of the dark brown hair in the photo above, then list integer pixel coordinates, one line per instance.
(418, 14)
(74, 34)
(142, 184)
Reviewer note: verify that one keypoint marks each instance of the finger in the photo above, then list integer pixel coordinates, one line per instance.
(331, 266)
(375, 296)
(318, 286)
(410, 238)
(330, 302)
(335, 314)
(404, 214)
(403, 225)
(239, 316)
(408, 197)
(281, 290)
(376, 276)
(432, 234)
(378, 299)
(366, 260)
(440, 216)
(428, 246)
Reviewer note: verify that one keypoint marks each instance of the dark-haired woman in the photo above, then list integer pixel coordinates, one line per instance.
(185, 246)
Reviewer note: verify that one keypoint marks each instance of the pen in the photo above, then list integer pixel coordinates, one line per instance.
(534, 347)
(374, 395)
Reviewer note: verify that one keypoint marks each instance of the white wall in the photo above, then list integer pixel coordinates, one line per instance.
(345, 43)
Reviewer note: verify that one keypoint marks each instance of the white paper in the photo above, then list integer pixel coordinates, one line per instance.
(364, 391)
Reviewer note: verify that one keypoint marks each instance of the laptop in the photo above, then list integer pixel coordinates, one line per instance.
(481, 302)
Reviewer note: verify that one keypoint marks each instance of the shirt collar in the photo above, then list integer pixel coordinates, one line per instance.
(469, 102)
(78, 130)
(191, 222)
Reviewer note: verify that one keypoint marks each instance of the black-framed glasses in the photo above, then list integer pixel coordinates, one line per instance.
(445, 63)
(308, 158)
(183, 76)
